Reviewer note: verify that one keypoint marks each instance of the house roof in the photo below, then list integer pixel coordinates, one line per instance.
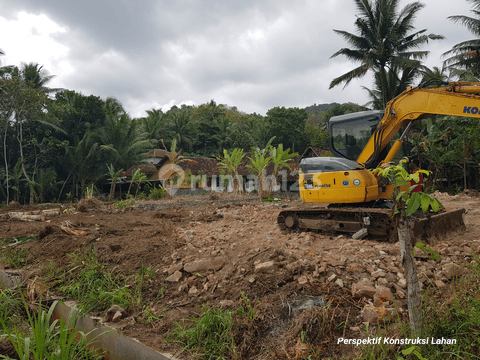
(210, 167)
(313, 151)
(146, 169)
(158, 153)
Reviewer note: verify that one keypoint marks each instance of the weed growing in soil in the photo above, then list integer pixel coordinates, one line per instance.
(8, 307)
(14, 241)
(48, 338)
(209, 335)
(123, 204)
(144, 276)
(161, 292)
(452, 314)
(457, 318)
(14, 257)
(92, 286)
(150, 317)
(247, 309)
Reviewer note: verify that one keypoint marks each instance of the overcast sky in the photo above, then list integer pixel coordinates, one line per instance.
(252, 54)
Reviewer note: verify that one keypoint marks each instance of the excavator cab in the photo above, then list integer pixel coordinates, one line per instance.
(350, 133)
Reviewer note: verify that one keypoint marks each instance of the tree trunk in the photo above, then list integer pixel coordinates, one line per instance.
(130, 187)
(413, 289)
(26, 217)
(112, 190)
(30, 182)
(6, 160)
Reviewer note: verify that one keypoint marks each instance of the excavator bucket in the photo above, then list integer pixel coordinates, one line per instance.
(430, 227)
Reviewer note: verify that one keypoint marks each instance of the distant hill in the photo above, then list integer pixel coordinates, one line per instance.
(316, 109)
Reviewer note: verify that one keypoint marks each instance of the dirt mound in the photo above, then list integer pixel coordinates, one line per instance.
(89, 204)
(14, 205)
(47, 230)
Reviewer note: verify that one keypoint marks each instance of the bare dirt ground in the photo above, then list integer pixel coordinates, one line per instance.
(212, 252)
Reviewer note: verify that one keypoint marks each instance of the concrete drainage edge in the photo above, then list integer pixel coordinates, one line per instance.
(116, 345)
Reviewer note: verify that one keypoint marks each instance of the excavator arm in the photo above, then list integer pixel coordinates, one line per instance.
(455, 99)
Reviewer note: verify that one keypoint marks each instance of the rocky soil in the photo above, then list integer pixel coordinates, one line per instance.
(210, 252)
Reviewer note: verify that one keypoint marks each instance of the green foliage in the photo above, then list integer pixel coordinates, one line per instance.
(114, 177)
(317, 137)
(411, 201)
(14, 257)
(280, 159)
(259, 162)
(124, 140)
(149, 317)
(92, 286)
(383, 42)
(48, 338)
(288, 126)
(8, 308)
(80, 158)
(415, 351)
(248, 309)
(157, 193)
(231, 160)
(123, 204)
(448, 147)
(209, 335)
(432, 254)
(270, 199)
(459, 57)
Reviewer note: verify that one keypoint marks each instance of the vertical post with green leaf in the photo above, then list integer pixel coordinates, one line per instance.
(407, 203)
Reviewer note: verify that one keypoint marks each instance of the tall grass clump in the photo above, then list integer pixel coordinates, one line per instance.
(209, 336)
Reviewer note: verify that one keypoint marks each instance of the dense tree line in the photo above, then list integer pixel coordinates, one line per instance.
(55, 141)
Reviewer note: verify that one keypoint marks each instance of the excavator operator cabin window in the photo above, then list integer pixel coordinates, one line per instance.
(350, 133)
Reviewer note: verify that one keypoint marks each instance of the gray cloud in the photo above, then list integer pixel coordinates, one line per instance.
(251, 54)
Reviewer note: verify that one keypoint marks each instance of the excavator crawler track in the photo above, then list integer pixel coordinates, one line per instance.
(379, 223)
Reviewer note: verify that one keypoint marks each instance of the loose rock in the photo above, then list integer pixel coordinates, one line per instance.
(204, 265)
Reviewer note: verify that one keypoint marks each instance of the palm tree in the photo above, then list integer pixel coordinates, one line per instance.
(35, 76)
(4, 69)
(154, 123)
(113, 107)
(182, 127)
(80, 158)
(435, 73)
(383, 41)
(259, 162)
(396, 82)
(124, 139)
(466, 55)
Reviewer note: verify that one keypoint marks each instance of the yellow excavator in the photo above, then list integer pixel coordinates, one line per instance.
(345, 196)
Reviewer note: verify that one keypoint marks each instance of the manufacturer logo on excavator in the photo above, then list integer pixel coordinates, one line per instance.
(470, 110)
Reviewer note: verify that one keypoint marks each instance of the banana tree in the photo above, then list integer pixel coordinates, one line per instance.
(114, 177)
(280, 159)
(258, 163)
(231, 161)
